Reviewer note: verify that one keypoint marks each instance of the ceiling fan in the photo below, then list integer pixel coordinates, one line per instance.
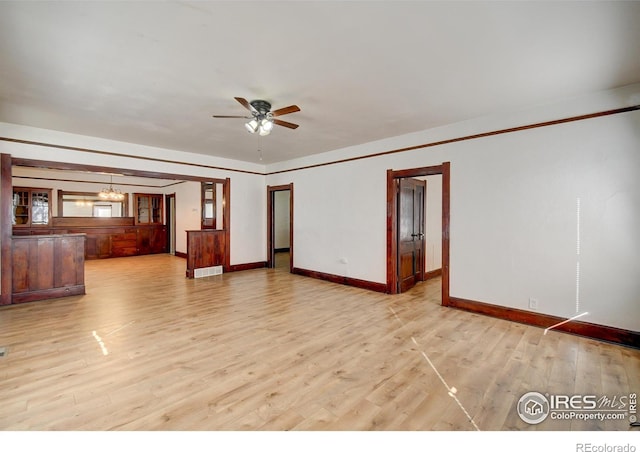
(262, 118)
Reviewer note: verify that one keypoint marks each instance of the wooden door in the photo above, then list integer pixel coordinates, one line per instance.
(411, 224)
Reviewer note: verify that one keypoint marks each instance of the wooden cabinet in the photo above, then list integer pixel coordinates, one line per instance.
(148, 208)
(98, 245)
(125, 243)
(31, 207)
(152, 240)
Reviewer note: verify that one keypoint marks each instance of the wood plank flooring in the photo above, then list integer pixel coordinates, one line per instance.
(148, 349)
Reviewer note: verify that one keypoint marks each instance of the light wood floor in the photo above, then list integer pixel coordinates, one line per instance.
(147, 349)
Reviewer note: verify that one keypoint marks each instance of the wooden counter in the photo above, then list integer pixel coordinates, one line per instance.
(107, 237)
(47, 266)
(205, 248)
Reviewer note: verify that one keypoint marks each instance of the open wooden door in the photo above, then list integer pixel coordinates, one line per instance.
(411, 241)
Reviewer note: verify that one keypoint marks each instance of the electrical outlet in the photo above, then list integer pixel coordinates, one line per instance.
(533, 303)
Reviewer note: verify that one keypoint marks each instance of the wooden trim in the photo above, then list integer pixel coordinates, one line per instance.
(84, 181)
(360, 283)
(6, 208)
(468, 137)
(46, 164)
(270, 228)
(169, 224)
(226, 223)
(432, 274)
(181, 254)
(446, 220)
(120, 154)
(291, 228)
(247, 266)
(591, 330)
(418, 172)
(282, 250)
(392, 232)
(91, 222)
(46, 294)
(392, 223)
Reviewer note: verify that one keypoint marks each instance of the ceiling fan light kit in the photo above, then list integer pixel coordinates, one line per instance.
(262, 118)
(252, 126)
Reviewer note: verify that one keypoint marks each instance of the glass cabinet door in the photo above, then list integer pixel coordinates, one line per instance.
(21, 207)
(156, 209)
(143, 209)
(31, 207)
(39, 208)
(148, 208)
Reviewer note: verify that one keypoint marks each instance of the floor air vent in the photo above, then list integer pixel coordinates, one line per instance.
(207, 271)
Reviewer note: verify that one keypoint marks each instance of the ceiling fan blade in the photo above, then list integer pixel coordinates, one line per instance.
(226, 116)
(245, 103)
(285, 124)
(285, 110)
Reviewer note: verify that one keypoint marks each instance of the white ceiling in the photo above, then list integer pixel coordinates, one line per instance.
(155, 72)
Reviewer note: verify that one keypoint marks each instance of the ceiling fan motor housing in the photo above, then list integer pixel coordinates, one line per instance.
(261, 106)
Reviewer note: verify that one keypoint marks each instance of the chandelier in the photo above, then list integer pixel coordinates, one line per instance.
(110, 193)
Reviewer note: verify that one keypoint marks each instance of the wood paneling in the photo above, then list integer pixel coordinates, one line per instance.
(47, 267)
(205, 248)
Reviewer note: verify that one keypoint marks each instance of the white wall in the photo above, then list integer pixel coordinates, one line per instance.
(281, 222)
(513, 209)
(188, 218)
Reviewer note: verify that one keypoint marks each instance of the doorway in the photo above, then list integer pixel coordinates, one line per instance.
(411, 232)
(413, 254)
(280, 226)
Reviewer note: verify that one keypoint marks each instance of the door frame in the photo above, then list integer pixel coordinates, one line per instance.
(392, 223)
(271, 189)
(6, 202)
(170, 222)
